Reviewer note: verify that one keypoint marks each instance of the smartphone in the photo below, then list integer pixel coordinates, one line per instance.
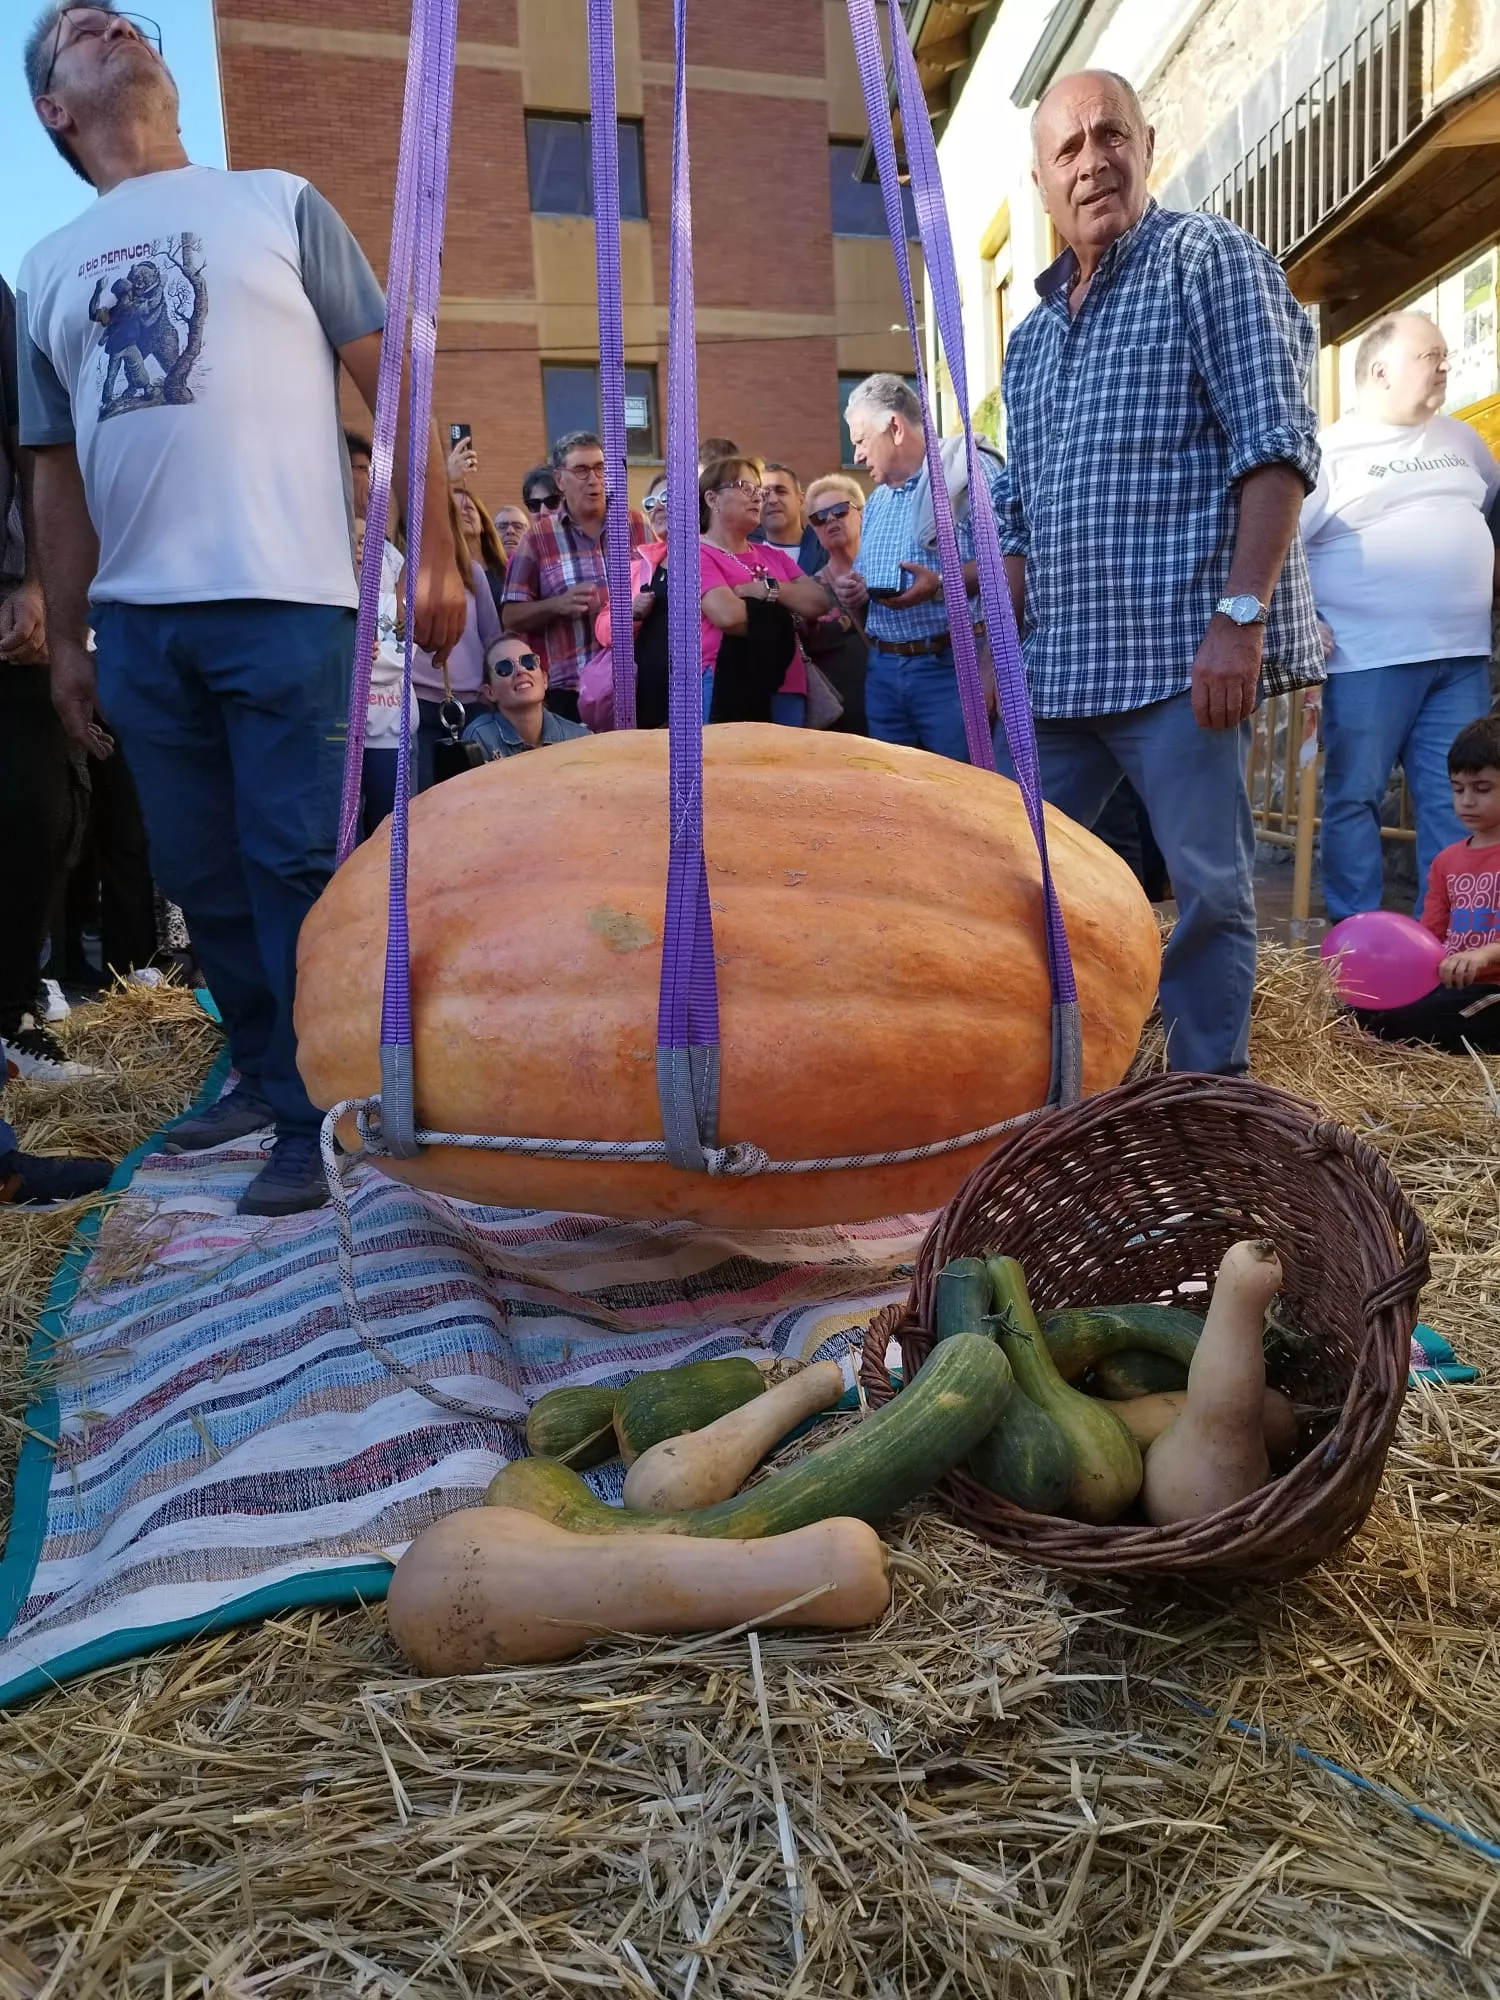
(879, 592)
(460, 434)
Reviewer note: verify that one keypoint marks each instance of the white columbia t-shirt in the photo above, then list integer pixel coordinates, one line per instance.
(1400, 553)
(182, 332)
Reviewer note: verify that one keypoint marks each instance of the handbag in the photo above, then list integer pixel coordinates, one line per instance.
(451, 756)
(825, 705)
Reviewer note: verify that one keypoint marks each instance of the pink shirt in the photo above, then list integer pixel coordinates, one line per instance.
(1463, 897)
(718, 566)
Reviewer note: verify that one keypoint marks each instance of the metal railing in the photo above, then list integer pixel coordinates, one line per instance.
(1334, 138)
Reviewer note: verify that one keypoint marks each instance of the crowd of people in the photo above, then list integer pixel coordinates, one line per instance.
(178, 599)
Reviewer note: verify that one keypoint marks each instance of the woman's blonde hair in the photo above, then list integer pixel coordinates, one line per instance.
(834, 482)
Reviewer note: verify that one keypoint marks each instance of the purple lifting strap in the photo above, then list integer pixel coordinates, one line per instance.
(606, 159)
(687, 1028)
(1010, 674)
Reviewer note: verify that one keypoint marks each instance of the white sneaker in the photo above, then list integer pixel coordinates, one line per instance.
(56, 1008)
(34, 1054)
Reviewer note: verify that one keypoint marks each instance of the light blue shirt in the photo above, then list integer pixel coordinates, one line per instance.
(889, 538)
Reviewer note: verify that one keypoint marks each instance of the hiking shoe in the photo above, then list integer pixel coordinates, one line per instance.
(291, 1180)
(36, 1180)
(34, 1054)
(237, 1114)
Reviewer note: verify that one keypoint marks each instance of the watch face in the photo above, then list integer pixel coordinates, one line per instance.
(1244, 609)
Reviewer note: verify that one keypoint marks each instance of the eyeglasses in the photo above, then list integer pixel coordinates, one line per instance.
(834, 513)
(536, 503)
(588, 472)
(656, 503)
(527, 663)
(91, 31)
(749, 487)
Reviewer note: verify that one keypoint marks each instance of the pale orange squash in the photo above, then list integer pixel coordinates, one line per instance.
(882, 972)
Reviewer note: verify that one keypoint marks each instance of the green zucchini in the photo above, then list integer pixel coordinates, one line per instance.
(1025, 1459)
(953, 1401)
(1135, 1372)
(1080, 1339)
(965, 1298)
(665, 1402)
(1107, 1467)
(575, 1425)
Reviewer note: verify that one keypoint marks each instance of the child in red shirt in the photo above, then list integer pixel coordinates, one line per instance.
(1463, 910)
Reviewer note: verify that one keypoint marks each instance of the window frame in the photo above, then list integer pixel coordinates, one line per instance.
(645, 376)
(580, 121)
(877, 205)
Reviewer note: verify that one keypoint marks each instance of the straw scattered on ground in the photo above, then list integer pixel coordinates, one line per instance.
(1012, 1788)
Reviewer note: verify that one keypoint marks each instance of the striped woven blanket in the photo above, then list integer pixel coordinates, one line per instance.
(222, 1446)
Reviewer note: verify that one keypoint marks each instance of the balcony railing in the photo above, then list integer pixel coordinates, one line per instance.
(1334, 139)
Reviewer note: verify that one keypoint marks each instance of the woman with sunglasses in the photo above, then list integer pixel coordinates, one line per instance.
(835, 508)
(753, 666)
(520, 719)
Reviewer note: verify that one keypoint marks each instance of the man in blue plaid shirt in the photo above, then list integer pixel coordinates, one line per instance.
(1160, 446)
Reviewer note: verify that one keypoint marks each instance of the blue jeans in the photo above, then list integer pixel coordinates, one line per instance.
(1192, 783)
(915, 701)
(233, 717)
(1371, 722)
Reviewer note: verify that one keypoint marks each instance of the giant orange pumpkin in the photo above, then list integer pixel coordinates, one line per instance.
(882, 974)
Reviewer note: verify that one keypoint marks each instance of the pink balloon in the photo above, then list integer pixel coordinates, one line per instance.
(1381, 959)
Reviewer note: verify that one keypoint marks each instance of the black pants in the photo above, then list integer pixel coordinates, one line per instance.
(36, 818)
(1439, 1019)
(111, 881)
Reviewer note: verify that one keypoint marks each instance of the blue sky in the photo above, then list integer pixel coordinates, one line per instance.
(38, 191)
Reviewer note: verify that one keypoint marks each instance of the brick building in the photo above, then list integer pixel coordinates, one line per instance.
(796, 285)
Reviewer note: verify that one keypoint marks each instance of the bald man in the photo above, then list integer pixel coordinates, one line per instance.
(1403, 570)
(1161, 445)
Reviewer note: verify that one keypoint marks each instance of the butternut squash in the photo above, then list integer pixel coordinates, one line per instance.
(488, 1586)
(1106, 1458)
(1215, 1453)
(1146, 1417)
(703, 1466)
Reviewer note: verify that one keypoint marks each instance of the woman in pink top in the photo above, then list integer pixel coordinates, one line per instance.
(735, 573)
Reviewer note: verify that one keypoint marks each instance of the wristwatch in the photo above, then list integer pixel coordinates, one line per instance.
(1244, 609)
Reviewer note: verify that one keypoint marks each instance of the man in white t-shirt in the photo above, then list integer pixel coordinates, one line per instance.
(179, 352)
(1403, 572)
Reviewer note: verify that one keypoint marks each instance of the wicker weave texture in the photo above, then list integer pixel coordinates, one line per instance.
(1140, 1191)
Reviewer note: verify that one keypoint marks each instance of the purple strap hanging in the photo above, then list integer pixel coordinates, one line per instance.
(687, 1029)
(606, 162)
(1010, 674)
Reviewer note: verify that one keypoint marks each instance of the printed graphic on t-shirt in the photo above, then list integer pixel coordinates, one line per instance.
(151, 319)
(1473, 908)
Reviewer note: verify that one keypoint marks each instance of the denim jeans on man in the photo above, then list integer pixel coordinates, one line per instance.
(1372, 721)
(1192, 782)
(233, 717)
(914, 700)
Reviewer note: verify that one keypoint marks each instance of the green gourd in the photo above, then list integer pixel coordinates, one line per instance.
(575, 1425)
(1106, 1459)
(965, 1298)
(1134, 1372)
(948, 1406)
(665, 1402)
(1082, 1337)
(1025, 1459)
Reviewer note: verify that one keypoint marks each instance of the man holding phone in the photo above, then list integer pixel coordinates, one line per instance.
(911, 687)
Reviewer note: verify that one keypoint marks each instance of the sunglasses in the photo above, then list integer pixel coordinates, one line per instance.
(656, 503)
(503, 669)
(834, 513)
(95, 30)
(537, 502)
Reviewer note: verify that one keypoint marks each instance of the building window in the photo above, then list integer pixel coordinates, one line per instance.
(857, 206)
(570, 397)
(561, 170)
(847, 386)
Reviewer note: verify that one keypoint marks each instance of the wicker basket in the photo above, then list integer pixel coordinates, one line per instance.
(1139, 1191)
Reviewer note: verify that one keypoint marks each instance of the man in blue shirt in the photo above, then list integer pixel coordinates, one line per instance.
(911, 688)
(1160, 446)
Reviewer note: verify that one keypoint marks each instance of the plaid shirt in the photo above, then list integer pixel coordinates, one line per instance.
(889, 538)
(552, 556)
(1128, 426)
